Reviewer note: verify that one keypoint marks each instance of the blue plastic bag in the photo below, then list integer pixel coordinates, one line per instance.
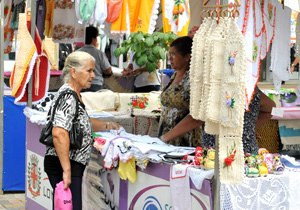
(62, 198)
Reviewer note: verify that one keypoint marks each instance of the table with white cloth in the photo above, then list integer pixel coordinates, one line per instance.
(271, 192)
(103, 188)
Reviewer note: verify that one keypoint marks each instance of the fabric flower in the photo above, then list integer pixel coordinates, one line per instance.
(230, 156)
(228, 161)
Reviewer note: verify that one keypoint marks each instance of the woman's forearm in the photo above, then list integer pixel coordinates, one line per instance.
(263, 117)
(185, 125)
(99, 125)
(61, 143)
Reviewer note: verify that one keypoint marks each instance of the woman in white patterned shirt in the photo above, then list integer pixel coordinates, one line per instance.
(62, 163)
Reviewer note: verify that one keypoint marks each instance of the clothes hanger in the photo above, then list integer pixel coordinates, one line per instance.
(238, 4)
(234, 13)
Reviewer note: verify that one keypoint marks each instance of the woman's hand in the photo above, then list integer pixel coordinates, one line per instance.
(113, 126)
(292, 68)
(127, 72)
(67, 179)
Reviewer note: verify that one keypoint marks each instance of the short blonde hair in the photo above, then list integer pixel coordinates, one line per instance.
(77, 60)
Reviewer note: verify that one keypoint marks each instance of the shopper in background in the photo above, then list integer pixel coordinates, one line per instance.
(61, 162)
(102, 66)
(64, 51)
(144, 81)
(294, 63)
(176, 125)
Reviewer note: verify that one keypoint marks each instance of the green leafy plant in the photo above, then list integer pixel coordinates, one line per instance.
(148, 49)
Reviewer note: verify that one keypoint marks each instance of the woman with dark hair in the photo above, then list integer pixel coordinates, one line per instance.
(176, 125)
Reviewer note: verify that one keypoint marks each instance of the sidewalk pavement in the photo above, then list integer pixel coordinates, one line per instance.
(12, 201)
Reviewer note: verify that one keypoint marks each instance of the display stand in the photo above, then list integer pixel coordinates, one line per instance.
(102, 186)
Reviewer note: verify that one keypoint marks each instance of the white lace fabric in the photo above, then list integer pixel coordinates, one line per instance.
(219, 36)
(198, 60)
(258, 17)
(221, 94)
(196, 68)
(280, 54)
(271, 192)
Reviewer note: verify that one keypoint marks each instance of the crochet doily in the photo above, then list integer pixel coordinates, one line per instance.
(234, 173)
(272, 192)
(216, 70)
(196, 68)
(207, 67)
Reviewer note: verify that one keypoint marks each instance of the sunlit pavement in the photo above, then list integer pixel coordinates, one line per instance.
(15, 201)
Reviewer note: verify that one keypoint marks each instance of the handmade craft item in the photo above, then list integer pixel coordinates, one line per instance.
(176, 16)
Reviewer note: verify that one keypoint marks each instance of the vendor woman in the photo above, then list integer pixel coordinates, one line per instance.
(176, 125)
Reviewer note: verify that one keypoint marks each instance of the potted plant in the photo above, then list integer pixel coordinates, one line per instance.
(148, 49)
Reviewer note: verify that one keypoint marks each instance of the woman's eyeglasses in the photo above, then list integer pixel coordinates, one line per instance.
(171, 55)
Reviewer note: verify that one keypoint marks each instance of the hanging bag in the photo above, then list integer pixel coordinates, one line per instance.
(75, 134)
(62, 198)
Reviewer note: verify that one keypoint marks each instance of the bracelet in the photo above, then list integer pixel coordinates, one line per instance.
(162, 138)
(106, 126)
(293, 65)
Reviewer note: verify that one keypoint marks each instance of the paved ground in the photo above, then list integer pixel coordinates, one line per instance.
(15, 201)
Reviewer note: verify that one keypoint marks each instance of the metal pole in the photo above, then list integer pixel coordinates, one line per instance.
(1, 90)
(216, 180)
(32, 31)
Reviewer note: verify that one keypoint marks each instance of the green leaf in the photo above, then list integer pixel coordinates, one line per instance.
(149, 41)
(156, 50)
(151, 58)
(173, 36)
(155, 37)
(123, 50)
(134, 57)
(138, 54)
(139, 37)
(132, 35)
(166, 37)
(147, 52)
(150, 66)
(117, 52)
(162, 54)
(141, 60)
(161, 36)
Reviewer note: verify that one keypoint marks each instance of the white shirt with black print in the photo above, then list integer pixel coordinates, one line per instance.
(63, 118)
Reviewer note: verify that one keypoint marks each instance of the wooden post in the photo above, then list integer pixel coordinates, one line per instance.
(32, 32)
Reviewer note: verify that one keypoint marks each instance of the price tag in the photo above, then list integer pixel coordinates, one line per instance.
(277, 112)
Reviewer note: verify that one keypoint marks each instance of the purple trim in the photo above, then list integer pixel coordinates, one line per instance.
(123, 195)
(158, 170)
(205, 187)
(30, 204)
(32, 138)
(206, 190)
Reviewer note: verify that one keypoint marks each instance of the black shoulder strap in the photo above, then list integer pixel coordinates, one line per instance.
(60, 96)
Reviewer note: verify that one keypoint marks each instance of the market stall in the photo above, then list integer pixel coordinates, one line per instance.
(104, 186)
(125, 194)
